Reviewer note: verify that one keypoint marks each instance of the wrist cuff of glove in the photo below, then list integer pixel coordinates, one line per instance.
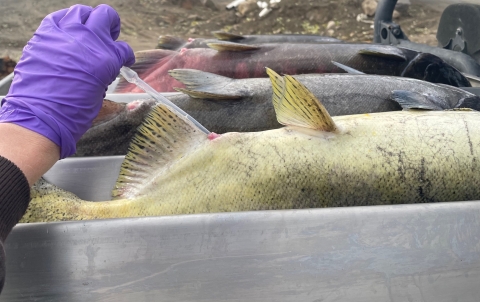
(21, 113)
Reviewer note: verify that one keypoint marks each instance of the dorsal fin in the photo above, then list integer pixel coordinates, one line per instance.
(278, 85)
(224, 36)
(162, 139)
(297, 106)
(170, 42)
(202, 84)
(144, 61)
(229, 46)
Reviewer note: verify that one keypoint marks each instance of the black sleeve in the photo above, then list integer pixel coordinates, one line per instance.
(14, 199)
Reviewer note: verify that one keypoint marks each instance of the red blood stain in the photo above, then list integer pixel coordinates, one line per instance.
(213, 136)
(134, 105)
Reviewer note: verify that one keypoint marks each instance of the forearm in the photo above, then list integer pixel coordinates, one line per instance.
(33, 153)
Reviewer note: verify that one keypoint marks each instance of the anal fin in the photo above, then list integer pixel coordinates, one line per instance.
(414, 100)
(202, 84)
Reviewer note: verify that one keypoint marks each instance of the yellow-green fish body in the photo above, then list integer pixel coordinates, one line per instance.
(369, 159)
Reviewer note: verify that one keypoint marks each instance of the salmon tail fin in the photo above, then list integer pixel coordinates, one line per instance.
(144, 62)
(170, 42)
(206, 85)
(297, 106)
(162, 139)
(50, 203)
(224, 36)
(229, 46)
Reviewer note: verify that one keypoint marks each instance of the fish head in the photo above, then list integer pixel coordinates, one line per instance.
(432, 69)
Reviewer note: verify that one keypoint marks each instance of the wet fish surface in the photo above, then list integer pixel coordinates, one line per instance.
(413, 156)
(223, 104)
(248, 61)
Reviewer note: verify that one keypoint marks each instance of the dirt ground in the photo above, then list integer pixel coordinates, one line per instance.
(143, 21)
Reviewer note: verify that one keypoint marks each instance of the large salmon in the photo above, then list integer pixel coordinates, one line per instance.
(316, 161)
(249, 61)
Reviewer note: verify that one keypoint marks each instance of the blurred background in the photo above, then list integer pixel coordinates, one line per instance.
(143, 21)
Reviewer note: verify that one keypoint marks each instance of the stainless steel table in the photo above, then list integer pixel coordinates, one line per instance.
(425, 252)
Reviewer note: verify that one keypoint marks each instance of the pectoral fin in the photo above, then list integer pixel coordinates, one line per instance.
(414, 100)
(295, 105)
(384, 52)
(346, 68)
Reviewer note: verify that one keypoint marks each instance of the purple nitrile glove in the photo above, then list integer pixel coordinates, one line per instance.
(64, 71)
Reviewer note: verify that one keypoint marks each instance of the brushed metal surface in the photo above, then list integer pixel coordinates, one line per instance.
(90, 178)
(425, 252)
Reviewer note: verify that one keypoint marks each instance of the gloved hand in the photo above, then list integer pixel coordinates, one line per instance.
(65, 69)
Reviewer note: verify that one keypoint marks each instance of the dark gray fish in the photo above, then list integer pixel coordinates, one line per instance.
(223, 104)
(249, 61)
(341, 94)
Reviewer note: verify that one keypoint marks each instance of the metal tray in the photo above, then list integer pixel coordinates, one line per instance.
(423, 252)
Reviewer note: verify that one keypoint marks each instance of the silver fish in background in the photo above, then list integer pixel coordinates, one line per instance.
(224, 104)
(341, 94)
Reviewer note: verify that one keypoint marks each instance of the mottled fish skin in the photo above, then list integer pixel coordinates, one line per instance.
(288, 59)
(413, 156)
(112, 135)
(383, 158)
